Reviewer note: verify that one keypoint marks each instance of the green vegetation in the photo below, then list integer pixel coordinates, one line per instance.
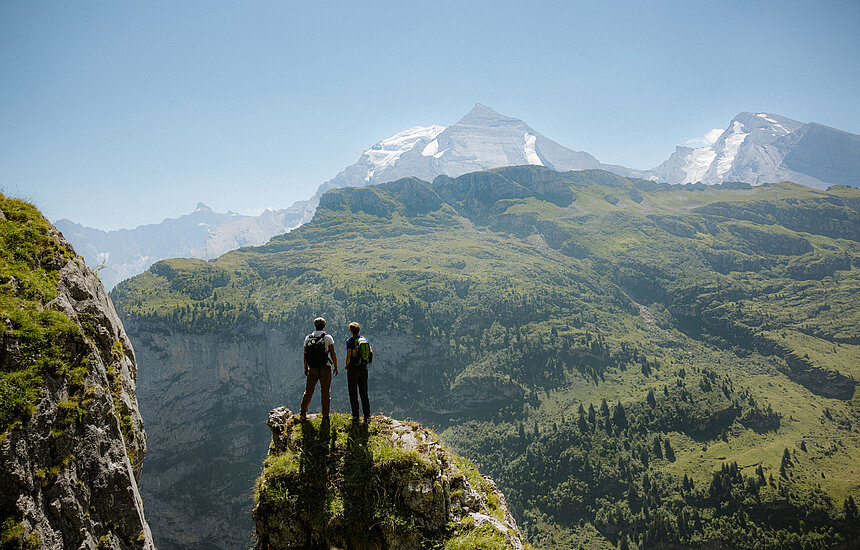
(39, 347)
(12, 537)
(605, 348)
(29, 262)
(345, 483)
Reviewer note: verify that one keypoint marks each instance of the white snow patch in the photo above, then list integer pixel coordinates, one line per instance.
(386, 152)
(774, 122)
(698, 163)
(781, 127)
(731, 145)
(706, 140)
(201, 223)
(431, 149)
(529, 149)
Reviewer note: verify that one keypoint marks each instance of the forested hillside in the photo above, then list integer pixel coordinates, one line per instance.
(636, 364)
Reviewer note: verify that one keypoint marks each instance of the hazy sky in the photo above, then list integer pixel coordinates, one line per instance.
(115, 114)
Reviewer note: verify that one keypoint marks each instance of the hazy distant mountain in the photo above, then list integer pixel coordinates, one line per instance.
(759, 148)
(201, 234)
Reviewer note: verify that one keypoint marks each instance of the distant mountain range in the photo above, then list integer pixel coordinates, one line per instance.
(755, 148)
(201, 234)
(481, 140)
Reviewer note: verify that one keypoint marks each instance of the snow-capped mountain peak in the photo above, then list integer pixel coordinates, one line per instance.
(765, 147)
(386, 152)
(481, 140)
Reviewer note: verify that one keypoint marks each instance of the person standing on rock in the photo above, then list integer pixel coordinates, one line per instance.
(358, 355)
(319, 358)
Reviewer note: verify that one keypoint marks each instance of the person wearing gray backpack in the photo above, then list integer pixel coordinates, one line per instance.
(358, 355)
(319, 345)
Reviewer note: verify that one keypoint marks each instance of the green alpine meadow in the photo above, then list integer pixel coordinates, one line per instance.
(635, 364)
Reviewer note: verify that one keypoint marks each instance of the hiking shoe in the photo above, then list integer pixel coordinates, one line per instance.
(303, 417)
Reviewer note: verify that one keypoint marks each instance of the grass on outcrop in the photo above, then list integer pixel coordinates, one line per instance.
(342, 480)
(41, 342)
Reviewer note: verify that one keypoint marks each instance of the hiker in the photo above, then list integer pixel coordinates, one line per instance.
(358, 355)
(319, 345)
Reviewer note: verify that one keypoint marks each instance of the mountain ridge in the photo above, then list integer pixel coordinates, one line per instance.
(759, 148)
(756, 148)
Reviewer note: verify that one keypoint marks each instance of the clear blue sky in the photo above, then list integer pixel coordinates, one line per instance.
(115, 114)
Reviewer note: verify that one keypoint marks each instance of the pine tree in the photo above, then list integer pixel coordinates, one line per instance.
(651, 399)
(658, 447)
(619, 417)
(670, 453)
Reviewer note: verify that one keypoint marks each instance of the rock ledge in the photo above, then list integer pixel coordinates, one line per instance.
(386, 484)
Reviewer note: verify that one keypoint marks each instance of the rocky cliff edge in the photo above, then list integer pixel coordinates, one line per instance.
(385, 484)
(71, 437)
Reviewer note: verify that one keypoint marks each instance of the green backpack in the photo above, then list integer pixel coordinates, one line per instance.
(362, 354)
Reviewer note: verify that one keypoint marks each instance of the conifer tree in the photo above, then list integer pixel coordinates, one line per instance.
(658, 447)
(670, 453)
(651, 399)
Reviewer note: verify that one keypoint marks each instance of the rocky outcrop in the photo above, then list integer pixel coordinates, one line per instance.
(70, 459)
(385, 484)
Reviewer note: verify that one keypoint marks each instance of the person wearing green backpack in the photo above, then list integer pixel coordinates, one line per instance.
(358, 355)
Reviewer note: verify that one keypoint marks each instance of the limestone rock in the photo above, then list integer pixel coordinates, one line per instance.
(69, 467)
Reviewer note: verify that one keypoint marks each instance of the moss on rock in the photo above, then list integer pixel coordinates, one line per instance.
(382, 484)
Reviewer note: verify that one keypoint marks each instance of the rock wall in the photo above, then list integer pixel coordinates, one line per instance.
(69, 468)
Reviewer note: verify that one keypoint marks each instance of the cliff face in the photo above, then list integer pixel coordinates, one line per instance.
(385, 484)
(204, 396)
(72, 442)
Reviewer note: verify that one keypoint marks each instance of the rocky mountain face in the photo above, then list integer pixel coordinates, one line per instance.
(760, 148)
(381, 484)
(201, 234)
(72, 443)
(604, 347)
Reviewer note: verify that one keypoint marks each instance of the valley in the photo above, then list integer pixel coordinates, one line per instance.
(631, 361)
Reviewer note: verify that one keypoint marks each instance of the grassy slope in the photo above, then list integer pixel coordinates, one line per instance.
(571, 286)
